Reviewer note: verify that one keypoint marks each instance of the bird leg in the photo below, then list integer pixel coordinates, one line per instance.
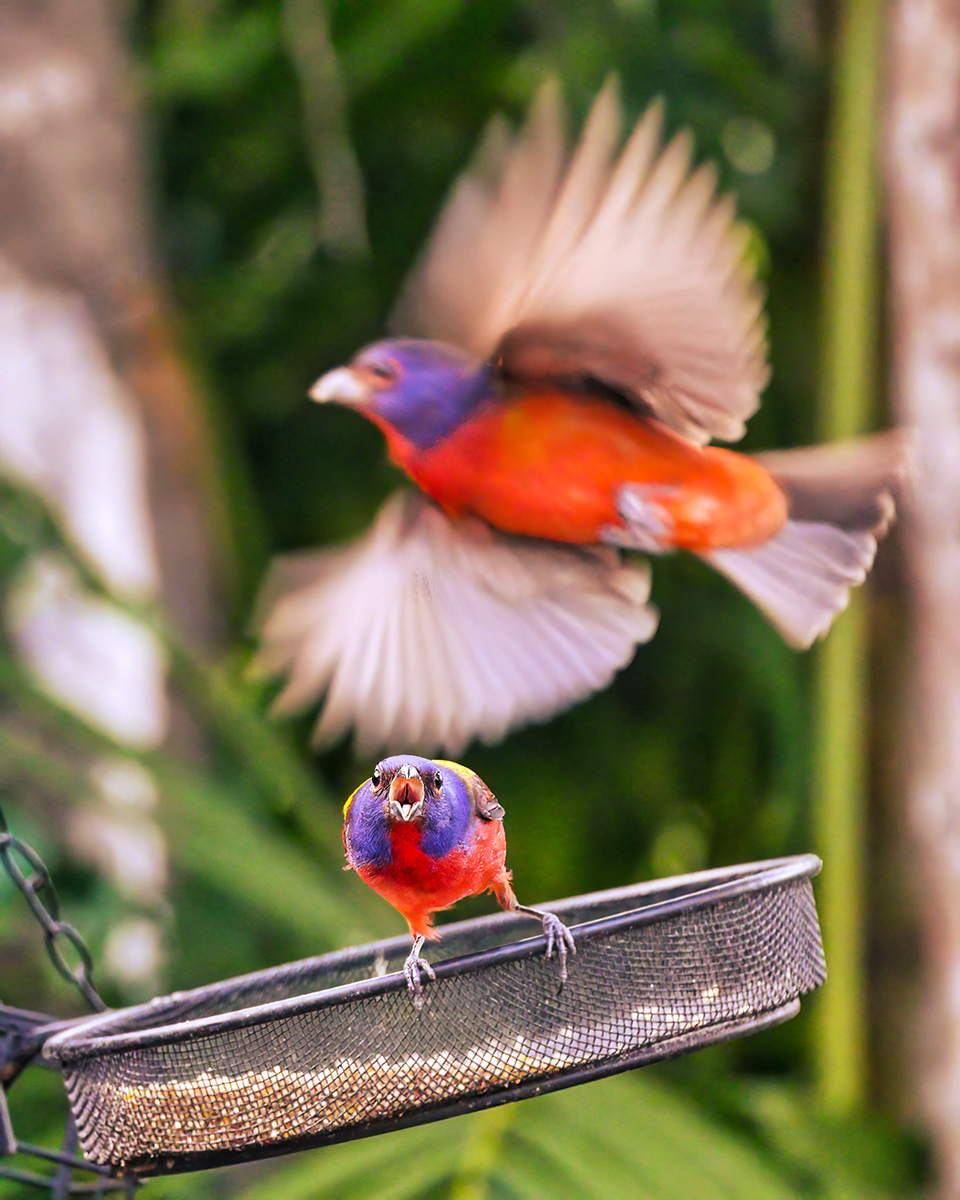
(413, 966)
(557, 934)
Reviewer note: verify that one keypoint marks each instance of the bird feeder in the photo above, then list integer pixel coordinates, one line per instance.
(332, 1048)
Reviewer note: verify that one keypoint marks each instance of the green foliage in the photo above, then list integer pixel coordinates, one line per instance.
(836, 1159)
(628, 1136)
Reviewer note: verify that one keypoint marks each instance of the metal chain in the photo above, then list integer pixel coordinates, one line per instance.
(55, 931)
(39, 892)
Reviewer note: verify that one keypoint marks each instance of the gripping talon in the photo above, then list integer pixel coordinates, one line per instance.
(412, 967)
(558, 937)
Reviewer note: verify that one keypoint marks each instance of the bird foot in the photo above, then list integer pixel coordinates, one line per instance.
(412, 967)
(648, 523)
(558, 937)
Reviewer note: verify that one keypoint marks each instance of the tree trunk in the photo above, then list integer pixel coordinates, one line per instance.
(75, 227)
(97, 413)
(923, 161)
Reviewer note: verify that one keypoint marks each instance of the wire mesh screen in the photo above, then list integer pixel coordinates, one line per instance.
(333, 1047)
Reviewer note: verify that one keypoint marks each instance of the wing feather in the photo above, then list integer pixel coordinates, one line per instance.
(581, 192)
(629, 270)
(465, 288)
(428, 633)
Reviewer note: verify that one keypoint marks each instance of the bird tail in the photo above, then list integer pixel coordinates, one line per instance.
(841, 501)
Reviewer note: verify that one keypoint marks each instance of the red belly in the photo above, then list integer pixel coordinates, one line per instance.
(550, 465)
(417, 885)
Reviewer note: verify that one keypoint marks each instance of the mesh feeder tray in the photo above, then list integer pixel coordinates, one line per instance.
(332, 1048)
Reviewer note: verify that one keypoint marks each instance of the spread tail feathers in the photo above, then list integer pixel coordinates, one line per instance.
(851, 484)
(841, 500)
(801, 578)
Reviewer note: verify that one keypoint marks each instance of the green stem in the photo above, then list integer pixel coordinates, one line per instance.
(848, 368)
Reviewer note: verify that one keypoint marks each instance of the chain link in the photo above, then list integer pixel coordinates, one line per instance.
(39, 892)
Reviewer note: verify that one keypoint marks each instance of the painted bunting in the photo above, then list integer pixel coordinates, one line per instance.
(424, 834)
(582, 329)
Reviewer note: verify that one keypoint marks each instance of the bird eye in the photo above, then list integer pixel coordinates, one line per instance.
(383, 371)
(438, 782)
(377, 777)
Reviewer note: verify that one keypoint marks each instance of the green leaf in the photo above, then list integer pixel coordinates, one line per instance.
(853, 1157)
(216, 837)
(210, 63)
(398, 1165)
(384, 42)
(659, 1139)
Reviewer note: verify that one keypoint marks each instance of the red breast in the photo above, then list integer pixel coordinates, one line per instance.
(418, 885)
(550, 465)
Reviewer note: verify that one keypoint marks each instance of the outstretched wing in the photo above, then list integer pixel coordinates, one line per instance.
(428, 633)
(623, 269)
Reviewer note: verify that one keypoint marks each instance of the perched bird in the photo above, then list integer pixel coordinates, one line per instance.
(574, 335)
(423, 835)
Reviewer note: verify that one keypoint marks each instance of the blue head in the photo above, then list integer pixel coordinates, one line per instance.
(424, 389)
(434, 797)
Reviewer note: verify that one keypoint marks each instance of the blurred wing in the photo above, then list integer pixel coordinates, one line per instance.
(801, 578)
(627, 270)
(426, 633)
(468, 287)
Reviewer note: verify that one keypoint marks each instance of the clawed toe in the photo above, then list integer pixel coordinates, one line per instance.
(560, 938)
(412, 967)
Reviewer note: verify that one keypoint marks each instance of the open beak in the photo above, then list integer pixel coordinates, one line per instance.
(405, 802)
(343, 385)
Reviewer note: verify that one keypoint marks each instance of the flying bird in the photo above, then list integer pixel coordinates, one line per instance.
(577, 331)
(424, 834)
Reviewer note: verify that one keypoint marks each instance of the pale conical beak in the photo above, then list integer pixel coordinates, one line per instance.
(341, 386)
(405, 802)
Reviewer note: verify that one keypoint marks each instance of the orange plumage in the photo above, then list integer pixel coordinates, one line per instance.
(418, 886)
(550, 464)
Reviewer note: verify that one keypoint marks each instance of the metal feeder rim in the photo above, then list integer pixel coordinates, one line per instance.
(733, 881)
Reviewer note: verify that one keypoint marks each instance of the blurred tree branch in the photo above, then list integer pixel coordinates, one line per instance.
(342, 222)
(97, 413)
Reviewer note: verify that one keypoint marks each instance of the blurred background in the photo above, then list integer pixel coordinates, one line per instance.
(206, 203)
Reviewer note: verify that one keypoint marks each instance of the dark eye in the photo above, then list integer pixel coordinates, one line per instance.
(383, 371)
(438, 782)
(377, 777)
